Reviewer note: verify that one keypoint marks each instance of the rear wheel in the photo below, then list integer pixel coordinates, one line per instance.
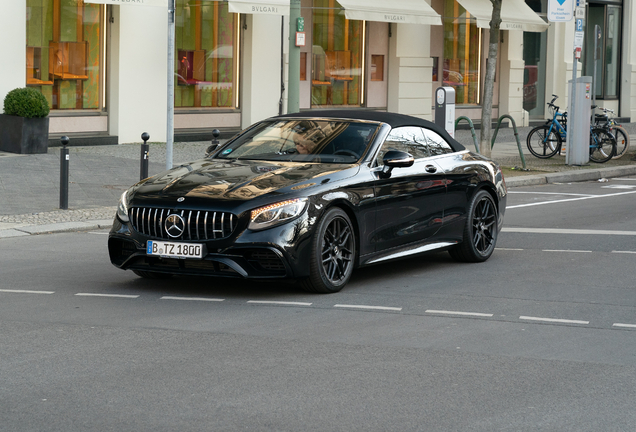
(602, 145)
(480, 231)
(333, 253)
(543, 143)
(622, 141)
(152, 275)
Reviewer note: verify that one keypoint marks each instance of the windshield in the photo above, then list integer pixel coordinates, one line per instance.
(321, 141)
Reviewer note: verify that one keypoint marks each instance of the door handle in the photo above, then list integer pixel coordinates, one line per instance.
(430, 169)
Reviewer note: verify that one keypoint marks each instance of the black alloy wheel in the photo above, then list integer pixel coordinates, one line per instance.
(480, 231)
(333, 253)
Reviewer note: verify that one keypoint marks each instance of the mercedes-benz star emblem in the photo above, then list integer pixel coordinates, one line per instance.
(174, 225)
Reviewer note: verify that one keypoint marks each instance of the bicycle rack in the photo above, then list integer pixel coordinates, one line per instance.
(494, 137)
(514, 126)
(472, 130)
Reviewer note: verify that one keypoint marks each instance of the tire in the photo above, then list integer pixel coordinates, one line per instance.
(332, 255)
(480, 231)
(152, 275)
(602, 145)
(622, 141)
(543, 147)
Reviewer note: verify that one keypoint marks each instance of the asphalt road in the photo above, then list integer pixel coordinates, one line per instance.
(538, 338)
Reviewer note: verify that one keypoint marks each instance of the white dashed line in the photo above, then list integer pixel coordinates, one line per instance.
(508, 249)
(204, 299)
(397, 309)
(567, 231)
(553, 320)
(566, 250)
(624, 252)
(550, 193)
(26, 291)
(284, 303)
(445, 312)
(624, 325)
(107, 295)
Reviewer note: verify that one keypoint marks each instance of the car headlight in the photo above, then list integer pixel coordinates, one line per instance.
(122, 208)
(274, 214)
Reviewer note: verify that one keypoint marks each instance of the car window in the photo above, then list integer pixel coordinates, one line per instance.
(435, 143)
(409, 139)
(302, 140)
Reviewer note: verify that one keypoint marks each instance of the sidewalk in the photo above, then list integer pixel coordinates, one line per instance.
(29, 184)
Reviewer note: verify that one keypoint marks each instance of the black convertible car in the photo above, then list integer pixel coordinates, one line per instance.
(311, 196)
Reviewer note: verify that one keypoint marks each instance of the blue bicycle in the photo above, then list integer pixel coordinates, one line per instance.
(547, 140)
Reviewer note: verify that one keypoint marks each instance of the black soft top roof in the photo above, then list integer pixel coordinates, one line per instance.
(392, 119)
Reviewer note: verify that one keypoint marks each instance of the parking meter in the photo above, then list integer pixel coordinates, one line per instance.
(445, 109)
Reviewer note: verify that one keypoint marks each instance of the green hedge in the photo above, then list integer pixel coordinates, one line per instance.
(26, 102)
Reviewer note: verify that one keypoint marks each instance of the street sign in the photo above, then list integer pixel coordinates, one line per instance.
(578, 39)
(579, 12)
(560, 10)
(161, 3)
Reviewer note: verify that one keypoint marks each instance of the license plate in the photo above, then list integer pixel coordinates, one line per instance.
(174, 250)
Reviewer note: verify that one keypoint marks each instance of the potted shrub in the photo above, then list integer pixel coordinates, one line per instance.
(24, 126)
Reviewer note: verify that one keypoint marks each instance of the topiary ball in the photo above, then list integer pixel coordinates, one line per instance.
(26, 102)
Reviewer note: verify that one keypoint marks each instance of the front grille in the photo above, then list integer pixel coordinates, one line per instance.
(198, 225)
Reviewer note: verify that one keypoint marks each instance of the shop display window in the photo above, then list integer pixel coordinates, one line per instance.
(377, 68)
(64, 56)
(462, 53)
(206, 69)
(336, 56)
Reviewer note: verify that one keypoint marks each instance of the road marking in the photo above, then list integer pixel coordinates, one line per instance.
(553, 320)
(369, 307)
(445, 312)
(570, 200)
(508, 249)
(624, 252)
(566, 231)
(619, 187)
(26, 291)
(566, 250)
(191, 299)
(107, 295)
(284, 303)
(550, 193)
(98, 233)
(624, 325)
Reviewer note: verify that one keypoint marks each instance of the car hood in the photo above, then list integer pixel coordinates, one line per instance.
(236, 180)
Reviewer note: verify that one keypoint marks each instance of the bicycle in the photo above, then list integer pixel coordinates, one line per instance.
(622, 137)
(546, 140)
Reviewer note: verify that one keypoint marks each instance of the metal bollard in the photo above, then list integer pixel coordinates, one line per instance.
(143, 168)
(64, 158)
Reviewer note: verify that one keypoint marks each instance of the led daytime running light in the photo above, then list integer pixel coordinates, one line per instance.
(258, 211)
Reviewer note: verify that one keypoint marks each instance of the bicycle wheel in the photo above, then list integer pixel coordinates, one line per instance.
(622, 141)
(602, 145)
(542, 143)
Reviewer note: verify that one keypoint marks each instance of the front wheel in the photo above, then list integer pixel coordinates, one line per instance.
(602, 145)
(622, 141)
(332, 255)
(480, 231)
(543, 143)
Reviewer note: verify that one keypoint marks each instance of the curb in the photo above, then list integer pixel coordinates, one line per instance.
(571, 176)
(56, 228)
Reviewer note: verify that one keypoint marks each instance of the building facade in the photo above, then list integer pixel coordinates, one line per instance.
(104, 67)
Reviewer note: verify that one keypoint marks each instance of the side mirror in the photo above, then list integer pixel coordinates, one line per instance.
(395, 159)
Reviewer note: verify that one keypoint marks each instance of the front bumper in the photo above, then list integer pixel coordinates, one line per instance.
(278, 252)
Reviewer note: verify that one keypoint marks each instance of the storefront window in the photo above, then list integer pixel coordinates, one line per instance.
(608, 18)
(336, 56)
(205, 53)
(462, 53)
(64, 58)
(534, 56)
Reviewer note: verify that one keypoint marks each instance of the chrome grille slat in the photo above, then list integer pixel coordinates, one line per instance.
(200, 225)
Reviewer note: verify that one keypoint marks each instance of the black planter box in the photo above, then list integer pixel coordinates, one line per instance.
(24, 135)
